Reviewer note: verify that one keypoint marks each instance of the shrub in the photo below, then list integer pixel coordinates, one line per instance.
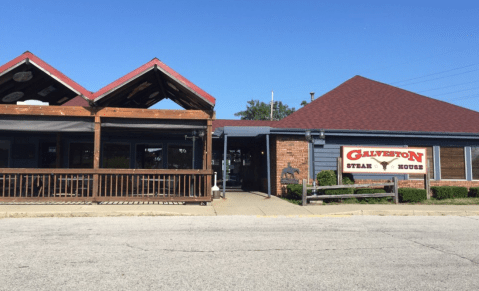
(372, 191)
(326, 178)
(474, 192)
(449, 192)
(369, 191)
(295, 191)
(411, 195)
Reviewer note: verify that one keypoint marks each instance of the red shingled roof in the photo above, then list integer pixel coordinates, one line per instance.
(126, 78)
(231, 122)
(364, 104)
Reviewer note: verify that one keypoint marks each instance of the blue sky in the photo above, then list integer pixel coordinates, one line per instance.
(241, 50)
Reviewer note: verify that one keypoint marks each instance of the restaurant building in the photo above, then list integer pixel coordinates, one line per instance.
(108, 146)
(359, 112)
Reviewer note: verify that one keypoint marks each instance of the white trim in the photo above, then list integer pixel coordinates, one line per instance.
(122, 84)
(56, 78)
(184, 86)
(13, 67)
(439, 159)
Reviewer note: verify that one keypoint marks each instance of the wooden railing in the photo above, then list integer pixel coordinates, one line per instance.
(393, 194)
(113, 185)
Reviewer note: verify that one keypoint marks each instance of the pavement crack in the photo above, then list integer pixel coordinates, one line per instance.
(473, 261)
(274, 250)
(136, 248)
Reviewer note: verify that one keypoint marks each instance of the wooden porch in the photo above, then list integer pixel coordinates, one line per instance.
(100, 184)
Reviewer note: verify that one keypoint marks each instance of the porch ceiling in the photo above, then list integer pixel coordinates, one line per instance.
(150, 84)
(29, 78)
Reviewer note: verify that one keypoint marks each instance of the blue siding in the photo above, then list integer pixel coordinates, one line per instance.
(324, 156)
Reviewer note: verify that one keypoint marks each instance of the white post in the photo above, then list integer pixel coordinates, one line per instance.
(272, 102)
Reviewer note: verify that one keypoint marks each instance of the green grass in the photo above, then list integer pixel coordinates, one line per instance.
(456, 201)
(387, 200)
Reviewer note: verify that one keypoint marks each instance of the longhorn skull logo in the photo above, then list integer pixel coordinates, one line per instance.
(384, 164)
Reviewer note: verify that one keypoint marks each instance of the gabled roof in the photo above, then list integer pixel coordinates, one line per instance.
(151, 83)
(364, 104)
(28, 77)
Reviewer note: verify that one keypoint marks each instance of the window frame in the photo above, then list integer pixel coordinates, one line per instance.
(465, 163)
(162, 145)
(117, 143)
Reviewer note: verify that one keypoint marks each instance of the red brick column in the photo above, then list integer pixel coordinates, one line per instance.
(284, 150)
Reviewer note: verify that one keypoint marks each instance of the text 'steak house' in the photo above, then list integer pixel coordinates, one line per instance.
(102, 146)
(359, 112)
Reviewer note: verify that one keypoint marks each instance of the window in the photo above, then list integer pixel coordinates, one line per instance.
(149, 156)
(429, 163)
(4, 153)
(180, 157)
(452, 163)
(81, 155)
(475, 162)
(116, 156)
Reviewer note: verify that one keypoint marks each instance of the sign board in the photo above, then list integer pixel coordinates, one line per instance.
(384, 160)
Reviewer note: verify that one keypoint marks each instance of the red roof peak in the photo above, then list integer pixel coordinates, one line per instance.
(364, 104)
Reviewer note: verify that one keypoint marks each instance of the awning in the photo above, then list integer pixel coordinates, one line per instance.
(46, 123)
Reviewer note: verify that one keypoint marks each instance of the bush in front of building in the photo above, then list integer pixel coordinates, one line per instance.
(372, 191)
(295, 191)
(449, 192)
(474, 192)
(326, 178)
(411, 195)
(329, 178)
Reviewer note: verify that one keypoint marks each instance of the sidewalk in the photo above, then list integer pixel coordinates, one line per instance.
(236, 203)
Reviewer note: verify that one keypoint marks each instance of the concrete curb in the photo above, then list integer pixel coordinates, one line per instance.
(92, 214)
(407, 213)
(65, 214)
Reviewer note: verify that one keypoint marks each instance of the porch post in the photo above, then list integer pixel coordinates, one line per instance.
(224, 167)
(268, 166)
(208, 154)
(96, 155)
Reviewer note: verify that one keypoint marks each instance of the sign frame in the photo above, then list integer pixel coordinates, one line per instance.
(389, 149)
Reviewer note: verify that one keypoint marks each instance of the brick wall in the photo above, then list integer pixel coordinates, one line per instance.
(284, 150)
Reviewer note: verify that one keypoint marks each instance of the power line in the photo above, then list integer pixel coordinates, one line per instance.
(462, 73)
(433, 74)
(458, 91)
(434, 89)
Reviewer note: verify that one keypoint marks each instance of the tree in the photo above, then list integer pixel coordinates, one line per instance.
(256, 110)
(304, 103)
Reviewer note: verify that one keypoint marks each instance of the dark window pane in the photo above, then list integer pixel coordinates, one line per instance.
(452, 163)
(81, 155)
(430, 159)
(149, 156)
(116, 156)
(475, 163)
(4, 153)
(180, 157)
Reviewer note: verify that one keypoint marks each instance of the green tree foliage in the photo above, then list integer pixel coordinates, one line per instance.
(256, 110)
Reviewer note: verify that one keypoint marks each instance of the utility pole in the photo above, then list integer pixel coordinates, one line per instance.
(272, 102)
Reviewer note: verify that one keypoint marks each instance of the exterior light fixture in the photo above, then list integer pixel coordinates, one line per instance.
(307, 135)
(201, 133)
(321, 134)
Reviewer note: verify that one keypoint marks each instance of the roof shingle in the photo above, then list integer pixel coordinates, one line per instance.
(364, 104)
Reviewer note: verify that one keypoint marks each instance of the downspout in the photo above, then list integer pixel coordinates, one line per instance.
(268, 166)
(224, 166)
